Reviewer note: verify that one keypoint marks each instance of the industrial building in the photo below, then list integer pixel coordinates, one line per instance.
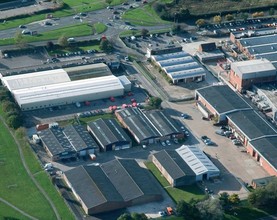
(179, 67)
(185, 165)
(244, 74)
(257, 44)
(209, 52)
(68, 92)
(29, 80)
(88, 71)
(148, 127)
(113, 185)
(54, 88)
(257, 135)
(109, 134)
(218, 101)
(70, 142)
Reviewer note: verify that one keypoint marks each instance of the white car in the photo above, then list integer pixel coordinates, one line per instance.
(26, 31)
(163, 143)
(168, 142)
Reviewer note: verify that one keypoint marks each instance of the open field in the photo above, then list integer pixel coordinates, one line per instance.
(69, 31)
(6, 212)
(145, 16)
(18, 189)
(213, 6)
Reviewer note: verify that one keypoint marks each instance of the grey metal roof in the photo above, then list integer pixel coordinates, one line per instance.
(144, 180)
(138, 123)
(260, 40)
(108, 131)
(261, 49)
(163, 122)
(173, 163)
(251, 124)
(267, 147)
(55, 141)
(170, 56)
(222, 98)
(92, 185)
(79, 137)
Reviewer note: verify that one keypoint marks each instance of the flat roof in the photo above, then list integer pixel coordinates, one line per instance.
(163, 122)
(196, 159)
(138, 123)
(267, 147)
(174, 164)
(223, 99)
(251, 124)
(253, 68)
(30, 80)
(108, 131)
(68, 89)
(95, 68)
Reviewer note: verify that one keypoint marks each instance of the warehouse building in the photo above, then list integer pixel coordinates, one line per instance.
(70, 142)
(25, 81)
(138, 125)
(88, 71)
(179, 67)
(109, 134)
(217, 101)
(185, 165)
(68, 92)
(258, 44)
(166, 126)
(113, 185)
(257, 135)
(244, 74)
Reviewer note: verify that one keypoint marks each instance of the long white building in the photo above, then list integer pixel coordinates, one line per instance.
(54, 88)
(68, 92)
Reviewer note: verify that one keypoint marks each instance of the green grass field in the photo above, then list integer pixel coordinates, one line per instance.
(17, 187)
(183, 193)
(6, 213)
(145, 16)
(83, 29)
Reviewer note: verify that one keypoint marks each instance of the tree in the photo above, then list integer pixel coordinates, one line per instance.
(176, 28)
(8, 106)
(144, 32)
(244, 16)
(188, 210)
(19, 39)
(200, 22)
(217, 19)
(234, 199)
(105, 45)
(155, 102)
(271, 11)
(14, 121)
(108, 1)
(62, 41)
(229, 17)
(125, 216)
(139, 216)
(210, 209)
(50, 45)
(224, 198)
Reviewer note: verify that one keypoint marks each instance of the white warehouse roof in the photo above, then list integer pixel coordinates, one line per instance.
(197, 160)
(253, 68)
(29, 80)
(170, 56)
(176, 61)
(68, 89)
(187, 73)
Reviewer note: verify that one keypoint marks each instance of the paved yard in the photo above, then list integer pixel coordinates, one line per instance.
(236, 167)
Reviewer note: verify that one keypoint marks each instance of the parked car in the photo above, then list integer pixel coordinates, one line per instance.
(185, 116)
(163, 143)
(162, 213)
(187, 133)
(22, 26)
(220, 132)
(168, 142)
(144, 146)
(205, 118)
(236, 142)
(175, 140)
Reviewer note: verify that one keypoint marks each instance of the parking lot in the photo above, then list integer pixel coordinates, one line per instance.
(236, 167)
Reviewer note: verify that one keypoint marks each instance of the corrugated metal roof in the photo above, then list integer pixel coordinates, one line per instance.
(196, 159)
(68, 89)
(167, 56)
(29, 80)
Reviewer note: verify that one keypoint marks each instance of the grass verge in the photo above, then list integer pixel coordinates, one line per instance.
(6, 213)
(185, 193)
(145, 16)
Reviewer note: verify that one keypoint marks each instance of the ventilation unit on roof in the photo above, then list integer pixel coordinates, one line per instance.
(272, 48)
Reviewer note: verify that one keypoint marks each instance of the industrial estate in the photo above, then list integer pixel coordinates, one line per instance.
(137, 120)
